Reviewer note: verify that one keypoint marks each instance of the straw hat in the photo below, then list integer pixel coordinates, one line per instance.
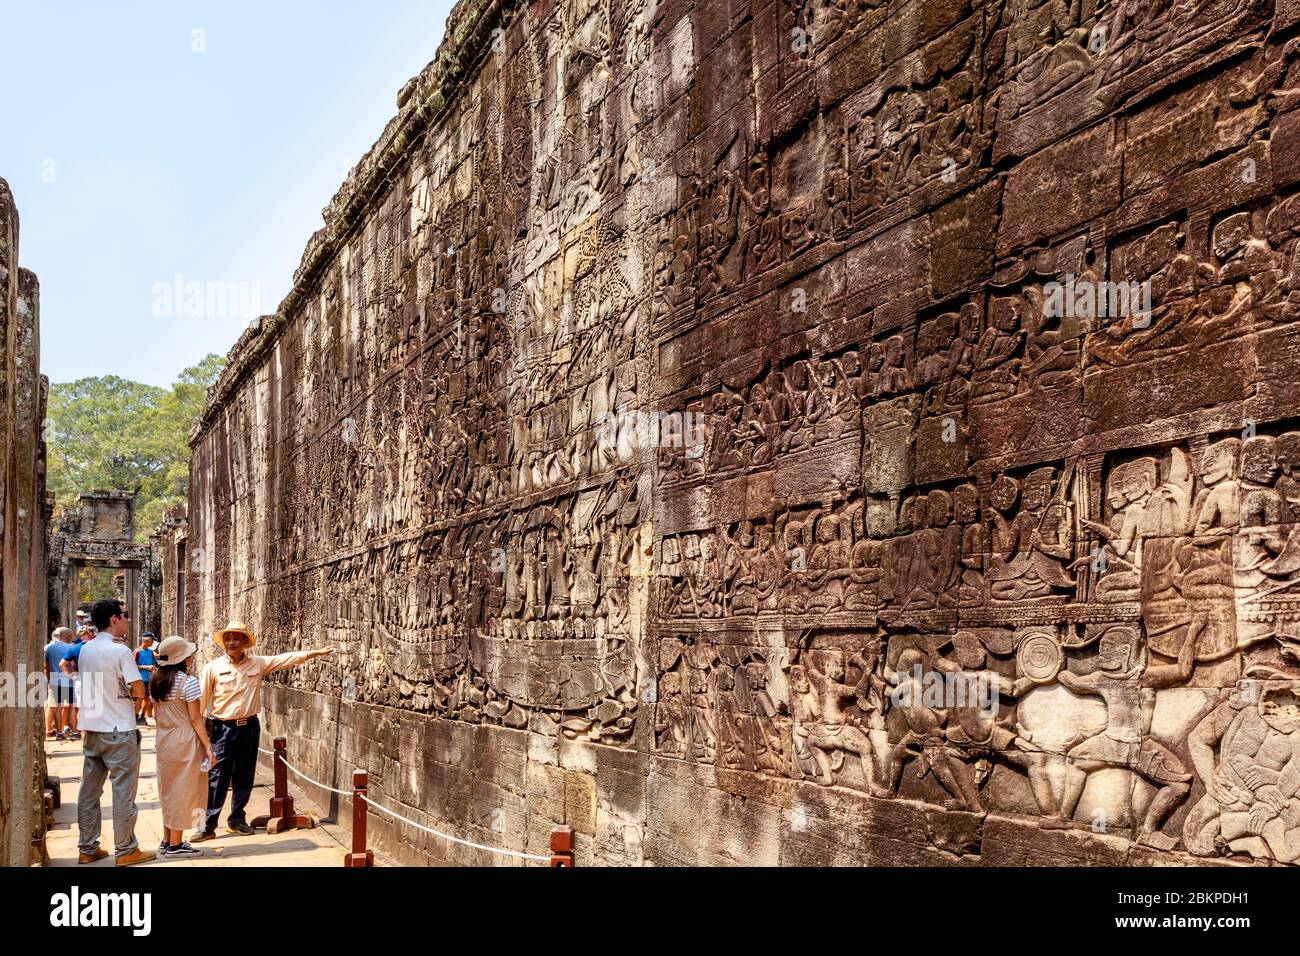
(236, 628)
(174, 649)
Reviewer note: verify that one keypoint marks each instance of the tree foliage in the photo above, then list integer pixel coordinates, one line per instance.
(112, 433)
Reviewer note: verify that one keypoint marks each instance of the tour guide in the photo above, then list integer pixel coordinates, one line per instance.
(232, 691)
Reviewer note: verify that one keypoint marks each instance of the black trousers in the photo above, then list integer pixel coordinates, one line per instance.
(234, 763)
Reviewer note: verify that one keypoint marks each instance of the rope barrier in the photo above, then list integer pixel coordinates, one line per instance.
(342, 793)
(447, 836)
(361, 795)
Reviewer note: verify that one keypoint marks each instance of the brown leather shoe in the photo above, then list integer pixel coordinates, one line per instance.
(136, 856)
(203, 835)
(99, 854)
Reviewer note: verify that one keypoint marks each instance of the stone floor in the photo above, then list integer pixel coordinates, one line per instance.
(322, 846)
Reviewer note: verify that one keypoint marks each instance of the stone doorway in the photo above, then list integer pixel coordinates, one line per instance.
(99, 532)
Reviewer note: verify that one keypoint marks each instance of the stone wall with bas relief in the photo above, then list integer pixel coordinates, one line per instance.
(795, 432)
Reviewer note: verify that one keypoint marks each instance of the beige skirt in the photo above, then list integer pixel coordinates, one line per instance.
(182, 786)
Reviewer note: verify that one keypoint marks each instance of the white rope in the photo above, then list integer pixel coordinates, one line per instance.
(447, 836)
(418, 826)
(342, 793)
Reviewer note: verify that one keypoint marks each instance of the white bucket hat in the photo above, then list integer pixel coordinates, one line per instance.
(173, 650)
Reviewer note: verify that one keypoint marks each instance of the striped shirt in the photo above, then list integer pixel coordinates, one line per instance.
(186, 690)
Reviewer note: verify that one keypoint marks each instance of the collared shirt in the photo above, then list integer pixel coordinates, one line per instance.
(233, 691)
(54, 652)
(73, 653)
(107, 670)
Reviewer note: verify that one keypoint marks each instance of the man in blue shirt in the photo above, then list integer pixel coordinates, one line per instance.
(59, 710)
(144, 659)
(69, 666)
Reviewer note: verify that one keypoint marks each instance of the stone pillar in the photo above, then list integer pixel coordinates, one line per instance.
(22, 546)
(70, 594)
(11, 840)
(27, 822)
(133, 604)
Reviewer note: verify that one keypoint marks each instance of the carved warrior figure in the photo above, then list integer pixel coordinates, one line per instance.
(671, 717)
(974, 546)
(823, 734)
(923, 734)
(740, 582)
(1187, 576)
(974, 732)
(1267, 545)
(1246, 754)
(1126, 682)
(827, 567)
(948, 722)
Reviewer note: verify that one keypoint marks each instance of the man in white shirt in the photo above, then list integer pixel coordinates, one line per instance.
(110, 686)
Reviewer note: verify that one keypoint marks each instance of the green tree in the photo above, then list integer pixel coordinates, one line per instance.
(94, 584)
(95, 438)
(111, 433)
(167, 434)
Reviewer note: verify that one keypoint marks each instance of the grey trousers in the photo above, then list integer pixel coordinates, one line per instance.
(115, 755)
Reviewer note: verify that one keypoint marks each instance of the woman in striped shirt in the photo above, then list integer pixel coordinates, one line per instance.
(180, 746)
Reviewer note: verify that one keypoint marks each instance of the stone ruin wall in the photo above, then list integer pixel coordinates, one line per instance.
(827, 234)
(24, 521)
(168, 567)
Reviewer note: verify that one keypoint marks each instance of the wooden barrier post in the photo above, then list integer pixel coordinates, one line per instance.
(562, 847)
(282, 816)
(359, 856)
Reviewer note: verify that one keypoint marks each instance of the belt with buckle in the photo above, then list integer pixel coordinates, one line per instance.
(237, 721)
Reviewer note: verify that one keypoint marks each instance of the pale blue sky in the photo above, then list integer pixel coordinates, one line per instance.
(133, 158)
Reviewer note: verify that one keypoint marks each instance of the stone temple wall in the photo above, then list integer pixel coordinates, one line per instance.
(762, 431)
(24, 520)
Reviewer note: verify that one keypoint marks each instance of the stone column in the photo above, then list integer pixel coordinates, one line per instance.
(70, 574)
(28, 729)
(22, 552)
(12, 776)
(133, 604)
